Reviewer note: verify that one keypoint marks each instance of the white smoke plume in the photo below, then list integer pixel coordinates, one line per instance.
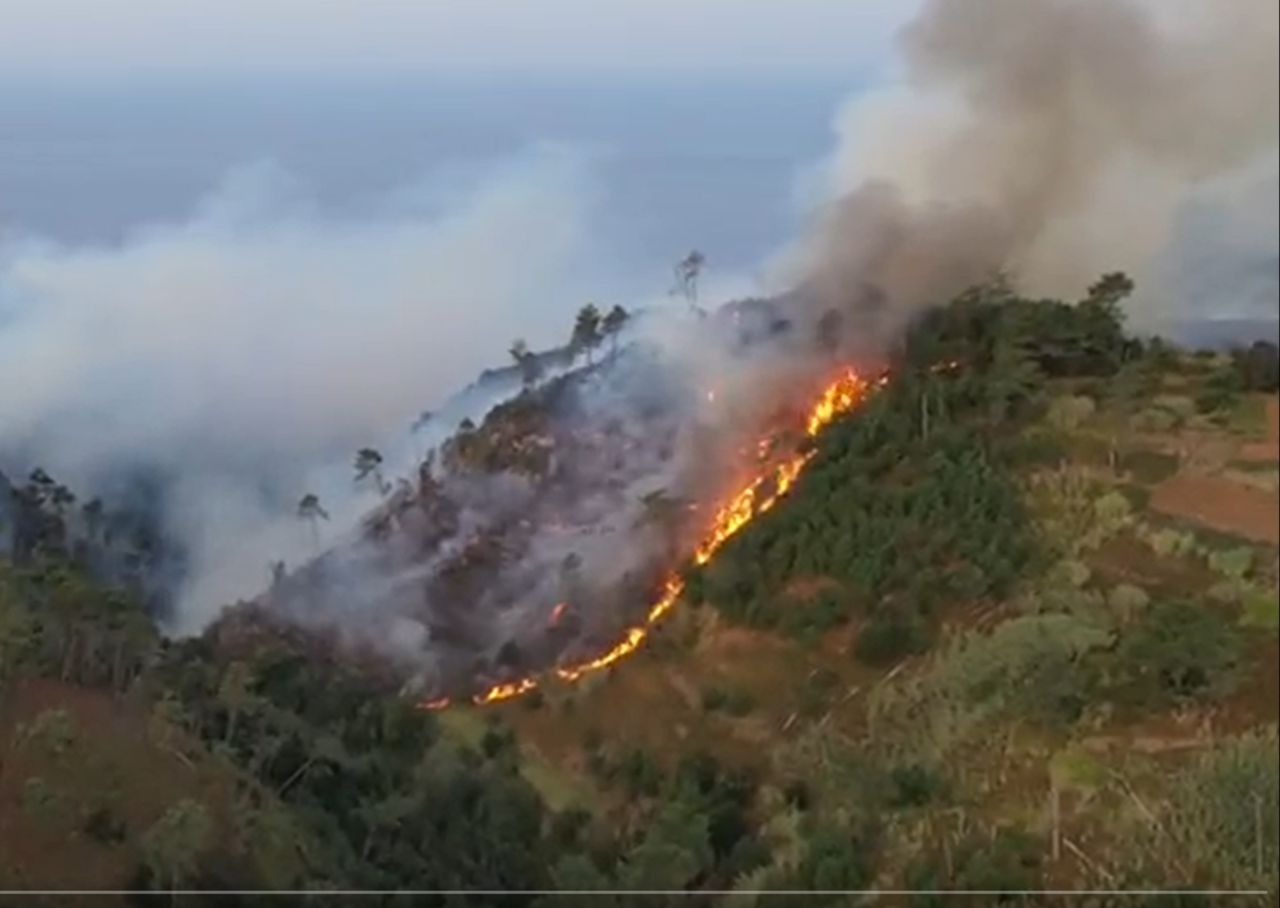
(245, 354)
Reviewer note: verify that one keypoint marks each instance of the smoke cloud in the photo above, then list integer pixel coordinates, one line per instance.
(1055, 140)
(244, 355)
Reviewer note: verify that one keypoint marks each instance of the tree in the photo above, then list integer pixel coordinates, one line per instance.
(528, 362)
(1259, 366)
(612, 326)
(369, 464)
(676, 848)
(687, 271)
(172, 847)
(586, 331)
(236, 695)
(310, 510)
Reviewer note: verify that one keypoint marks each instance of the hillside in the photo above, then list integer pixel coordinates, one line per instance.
(1013, 627)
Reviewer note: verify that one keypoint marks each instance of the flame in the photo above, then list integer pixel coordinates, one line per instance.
(840, 396)
(671, 591)
(505, 691)
(557, 613)
(434, 705)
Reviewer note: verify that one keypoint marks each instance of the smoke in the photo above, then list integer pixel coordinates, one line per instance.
(244, 355)
(1055, 140)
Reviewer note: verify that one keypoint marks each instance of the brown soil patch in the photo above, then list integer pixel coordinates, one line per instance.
(1221, 505)
(112, 764)
(1269, 450)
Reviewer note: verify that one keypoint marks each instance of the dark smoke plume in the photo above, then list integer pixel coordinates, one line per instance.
(1053, 140)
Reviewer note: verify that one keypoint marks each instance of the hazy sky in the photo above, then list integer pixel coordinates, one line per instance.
(42, 38)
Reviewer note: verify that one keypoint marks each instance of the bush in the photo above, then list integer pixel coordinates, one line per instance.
(890, 637)
(1070, 412)
(1127, 600)
(914, 785)
(735, 701)
(1180, 651)
(811, 618)
(1222, 813)
(1232, 564)
(1155, 419)
(1261, 609)
(1148, 467)
(105, 827)
(1010, 861)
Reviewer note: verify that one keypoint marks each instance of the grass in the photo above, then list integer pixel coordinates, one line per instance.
(1148, 467)
(558, 788)
(1261, 609)
(1247, 416)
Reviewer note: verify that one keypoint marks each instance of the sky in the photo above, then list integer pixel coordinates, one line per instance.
(44, 39)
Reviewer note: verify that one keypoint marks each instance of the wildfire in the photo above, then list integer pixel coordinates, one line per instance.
(505, 691)
(557, 613)
(757, 497)
(838, 397)
(671, 591)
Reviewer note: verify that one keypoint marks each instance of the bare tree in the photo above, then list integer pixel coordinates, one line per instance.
(687, 271)
(369, 464)
(528, 362)
(310, 510)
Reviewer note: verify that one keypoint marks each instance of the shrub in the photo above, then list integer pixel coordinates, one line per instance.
(734, 701)
(1070, 412)
(104, 826)
(913, 785)
(1154, 419)
(1222, 814)
(1233, 564)
(1149, 467)
(1010, 861)
(1127, 600)
(1261, 609)
(889, 637)
(1180, 651)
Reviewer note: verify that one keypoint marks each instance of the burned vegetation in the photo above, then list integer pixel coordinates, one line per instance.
(531, 537)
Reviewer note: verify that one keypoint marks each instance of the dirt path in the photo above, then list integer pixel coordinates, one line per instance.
(1221, 504)
(1241, 508)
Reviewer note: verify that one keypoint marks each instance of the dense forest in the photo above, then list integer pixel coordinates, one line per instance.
(955, 554)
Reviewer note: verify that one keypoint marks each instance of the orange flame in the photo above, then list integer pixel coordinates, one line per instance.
(505, 691)
(839, 397)
(671, 591)
(435, 705)
(557, 613)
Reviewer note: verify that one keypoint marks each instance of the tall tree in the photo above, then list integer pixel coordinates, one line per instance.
(586, 331)
(687, 271)
(310, 510)
(528, 362)
(612, 326)
(174, 844)
(369, 465)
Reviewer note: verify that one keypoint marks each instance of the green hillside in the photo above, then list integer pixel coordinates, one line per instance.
(1015, 627)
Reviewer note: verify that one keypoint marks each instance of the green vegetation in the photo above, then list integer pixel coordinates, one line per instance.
(1087, 702)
